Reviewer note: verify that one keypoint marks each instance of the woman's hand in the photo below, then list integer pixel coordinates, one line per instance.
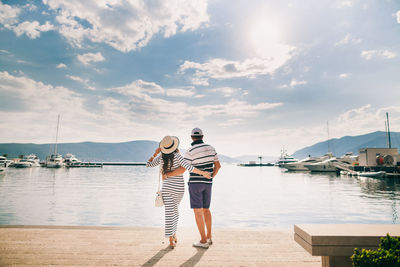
(164, 176)
(206, 174)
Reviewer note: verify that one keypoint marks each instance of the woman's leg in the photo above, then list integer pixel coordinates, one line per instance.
(169, 213)
(177, 200)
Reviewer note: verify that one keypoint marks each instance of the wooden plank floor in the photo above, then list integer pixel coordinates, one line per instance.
(122, 246)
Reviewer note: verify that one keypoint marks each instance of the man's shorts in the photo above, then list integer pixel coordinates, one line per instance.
(200, 195)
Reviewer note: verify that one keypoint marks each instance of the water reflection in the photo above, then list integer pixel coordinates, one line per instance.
(242, 197)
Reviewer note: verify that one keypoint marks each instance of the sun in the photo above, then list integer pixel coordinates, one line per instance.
(264, 34)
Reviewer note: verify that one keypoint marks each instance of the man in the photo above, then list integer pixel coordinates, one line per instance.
(203, 157)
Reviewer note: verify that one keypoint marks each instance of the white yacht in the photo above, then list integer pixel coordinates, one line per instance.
(34, 160)
(300, 165)
(23, 163)
(29, 161)
(3, 163)
(284, 158)
(349, 158)
(71, 161)
(328, 165)
(54, 161)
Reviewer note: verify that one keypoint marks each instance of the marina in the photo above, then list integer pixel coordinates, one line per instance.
(262, 197)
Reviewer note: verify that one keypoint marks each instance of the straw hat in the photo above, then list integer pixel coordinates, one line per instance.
(169, 144)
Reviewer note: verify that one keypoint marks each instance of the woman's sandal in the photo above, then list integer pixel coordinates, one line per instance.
(173, 243)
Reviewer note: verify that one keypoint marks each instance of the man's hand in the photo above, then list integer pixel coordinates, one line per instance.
(207, 175)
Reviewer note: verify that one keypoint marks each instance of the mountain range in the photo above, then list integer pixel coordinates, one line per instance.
(139, 151)
(340, 146)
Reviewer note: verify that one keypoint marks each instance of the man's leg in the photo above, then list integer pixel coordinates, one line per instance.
(198, 213)
(208, 221)
(206, 208)
(196, 203)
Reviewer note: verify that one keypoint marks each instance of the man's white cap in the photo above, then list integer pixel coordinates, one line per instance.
(197, 132)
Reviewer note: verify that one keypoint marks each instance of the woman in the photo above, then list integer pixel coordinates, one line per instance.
(173, 187)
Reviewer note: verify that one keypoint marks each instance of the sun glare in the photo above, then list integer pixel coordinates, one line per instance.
(264, 34)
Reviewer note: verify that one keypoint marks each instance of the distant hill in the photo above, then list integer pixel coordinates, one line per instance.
(134, 151)
(86, 151)
(339, 146)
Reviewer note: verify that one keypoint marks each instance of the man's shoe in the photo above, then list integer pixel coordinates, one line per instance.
(209, 242)
(200, 245)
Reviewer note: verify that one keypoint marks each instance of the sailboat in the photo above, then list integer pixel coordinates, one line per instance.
(55, 160)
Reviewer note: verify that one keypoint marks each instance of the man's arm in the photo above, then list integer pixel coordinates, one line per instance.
(217, 166)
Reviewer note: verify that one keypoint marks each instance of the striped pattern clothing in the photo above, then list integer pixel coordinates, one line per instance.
(172, 191)
(202, 156)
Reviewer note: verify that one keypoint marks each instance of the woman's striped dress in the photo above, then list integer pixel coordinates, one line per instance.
(172, 191)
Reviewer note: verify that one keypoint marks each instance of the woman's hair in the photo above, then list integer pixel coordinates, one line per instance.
(168, 160)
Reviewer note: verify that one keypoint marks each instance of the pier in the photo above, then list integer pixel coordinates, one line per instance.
(137, 246)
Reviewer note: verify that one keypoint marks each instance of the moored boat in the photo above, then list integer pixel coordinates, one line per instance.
(284, 158)
(379, 174)
(71, 161)
(300, 165)
(3, 163)
(54, 161)
(23, 163)
(328, 165)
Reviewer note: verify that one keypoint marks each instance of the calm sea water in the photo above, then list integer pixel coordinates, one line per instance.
(242, 197)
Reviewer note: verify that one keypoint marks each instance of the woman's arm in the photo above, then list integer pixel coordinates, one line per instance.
(176, 172)
(154, 160)
(190, 168)
(204, 173)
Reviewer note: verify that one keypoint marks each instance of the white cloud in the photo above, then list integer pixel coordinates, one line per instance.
(146, 107)
(344, 75)
(348, 40)
(220, 69)
(80, 80)
(139, 88)
(40, 104)
(293, 83)
(126, 25)
(369, 54)
(180, 92)
(36, 95)
(8, 15)
(344, 3)
(398, 16)
(90, 57)
(226, 91)
(366, 119)
(231, 122)
(61, 66)
(200, 81)
(32, 29)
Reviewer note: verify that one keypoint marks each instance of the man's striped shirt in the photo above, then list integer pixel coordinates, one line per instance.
(201, 156)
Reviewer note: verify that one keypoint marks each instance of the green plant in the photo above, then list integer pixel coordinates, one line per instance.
(387, 255)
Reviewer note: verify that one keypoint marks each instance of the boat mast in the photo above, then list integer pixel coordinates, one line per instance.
(55, 147)
(388, 130)
(327, 127)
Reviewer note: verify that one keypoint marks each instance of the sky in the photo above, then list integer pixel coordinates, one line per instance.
(255, 76)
